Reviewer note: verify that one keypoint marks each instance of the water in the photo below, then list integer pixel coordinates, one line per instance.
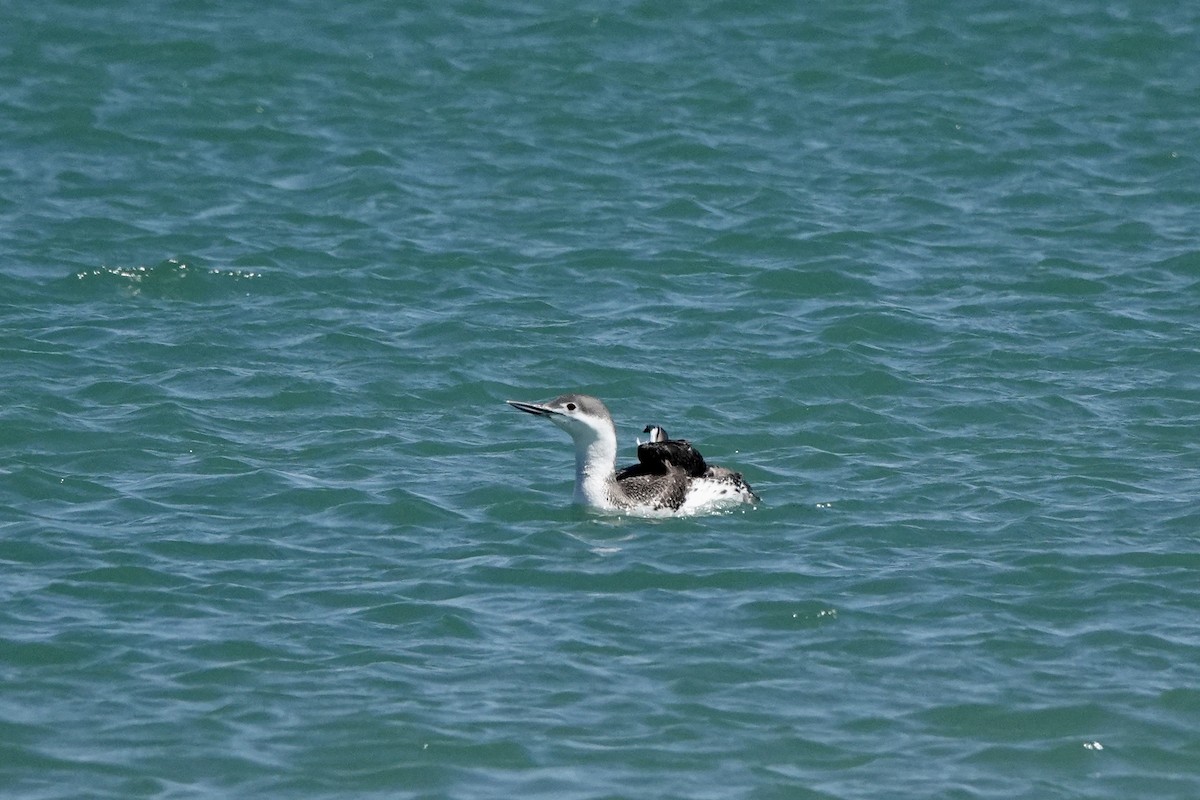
(928, 277)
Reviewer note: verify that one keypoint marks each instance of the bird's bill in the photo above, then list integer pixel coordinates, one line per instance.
(538, 409)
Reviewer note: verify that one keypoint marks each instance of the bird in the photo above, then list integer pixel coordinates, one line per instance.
(670, 478)
(662, 449)
(657, 433)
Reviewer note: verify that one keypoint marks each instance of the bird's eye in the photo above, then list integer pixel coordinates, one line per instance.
(570, 406)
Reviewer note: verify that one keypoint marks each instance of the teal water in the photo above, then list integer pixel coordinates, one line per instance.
(929, 277)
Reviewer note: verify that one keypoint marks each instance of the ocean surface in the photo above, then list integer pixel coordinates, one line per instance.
(927, 274)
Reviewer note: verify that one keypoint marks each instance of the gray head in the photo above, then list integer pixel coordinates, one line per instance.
(581, 415)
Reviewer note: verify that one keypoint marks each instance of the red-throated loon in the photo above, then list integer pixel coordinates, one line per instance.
(671, 477)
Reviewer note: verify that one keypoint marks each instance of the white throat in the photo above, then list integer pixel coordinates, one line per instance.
(595, 465)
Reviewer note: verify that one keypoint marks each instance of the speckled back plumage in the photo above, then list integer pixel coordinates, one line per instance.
(665, 472)
(658, 491)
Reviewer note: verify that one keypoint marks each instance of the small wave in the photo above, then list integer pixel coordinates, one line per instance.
(172, 278)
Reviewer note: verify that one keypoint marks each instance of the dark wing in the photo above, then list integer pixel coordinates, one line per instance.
(650, 462)
(657, 456)
(632, 471)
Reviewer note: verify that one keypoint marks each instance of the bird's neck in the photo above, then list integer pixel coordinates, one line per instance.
(595, 464)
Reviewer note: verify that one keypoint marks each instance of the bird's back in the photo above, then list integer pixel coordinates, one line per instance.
(671, 474)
